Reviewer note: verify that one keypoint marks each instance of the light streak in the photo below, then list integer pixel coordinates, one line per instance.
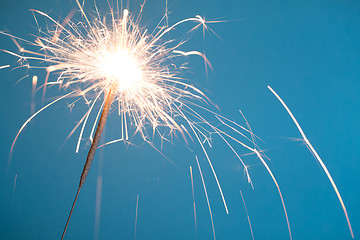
(33, 90)
(5, 66)
(136, 213)
(29, 119)
(207, 197)
(193, 196)
(14, 187)
(255, 151)
(277, 187)
(98, 207)
(247, 214)
(313, 151)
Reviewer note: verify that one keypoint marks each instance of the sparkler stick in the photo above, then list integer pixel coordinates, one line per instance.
(94, 145)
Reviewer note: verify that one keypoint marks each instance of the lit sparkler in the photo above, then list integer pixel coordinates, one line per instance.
(132, 67)
(136, 70)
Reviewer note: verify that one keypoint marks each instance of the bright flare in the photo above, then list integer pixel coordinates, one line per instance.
(122, 67)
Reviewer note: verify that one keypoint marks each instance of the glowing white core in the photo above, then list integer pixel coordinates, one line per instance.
(121, 66)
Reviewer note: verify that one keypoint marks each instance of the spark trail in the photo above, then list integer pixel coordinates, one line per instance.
(193, 196)
(136, 215)
(207, 198)
(14, 187)
(247, 215)
(313, 151)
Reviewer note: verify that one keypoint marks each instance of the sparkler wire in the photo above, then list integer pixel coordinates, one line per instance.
(94, 145)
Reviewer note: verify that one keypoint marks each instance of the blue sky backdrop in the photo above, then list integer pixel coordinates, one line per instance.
(308, 51)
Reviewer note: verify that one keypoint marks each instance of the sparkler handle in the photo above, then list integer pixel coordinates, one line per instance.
(99, 130)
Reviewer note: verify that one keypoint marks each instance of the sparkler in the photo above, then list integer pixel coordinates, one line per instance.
(130, 66)
(137, 70)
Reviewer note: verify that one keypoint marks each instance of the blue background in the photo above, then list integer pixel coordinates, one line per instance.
(307, 51)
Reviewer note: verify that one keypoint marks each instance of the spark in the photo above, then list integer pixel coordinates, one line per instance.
(207, 197)
(14, 186)
(34, 83)
(247, 214)
(193, 196)
(5, 66)
(313, 151)
(98, 207)
(136, 213)
(30, 118)
(277, 187)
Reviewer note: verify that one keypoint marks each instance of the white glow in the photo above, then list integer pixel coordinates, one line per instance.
(121, 66)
